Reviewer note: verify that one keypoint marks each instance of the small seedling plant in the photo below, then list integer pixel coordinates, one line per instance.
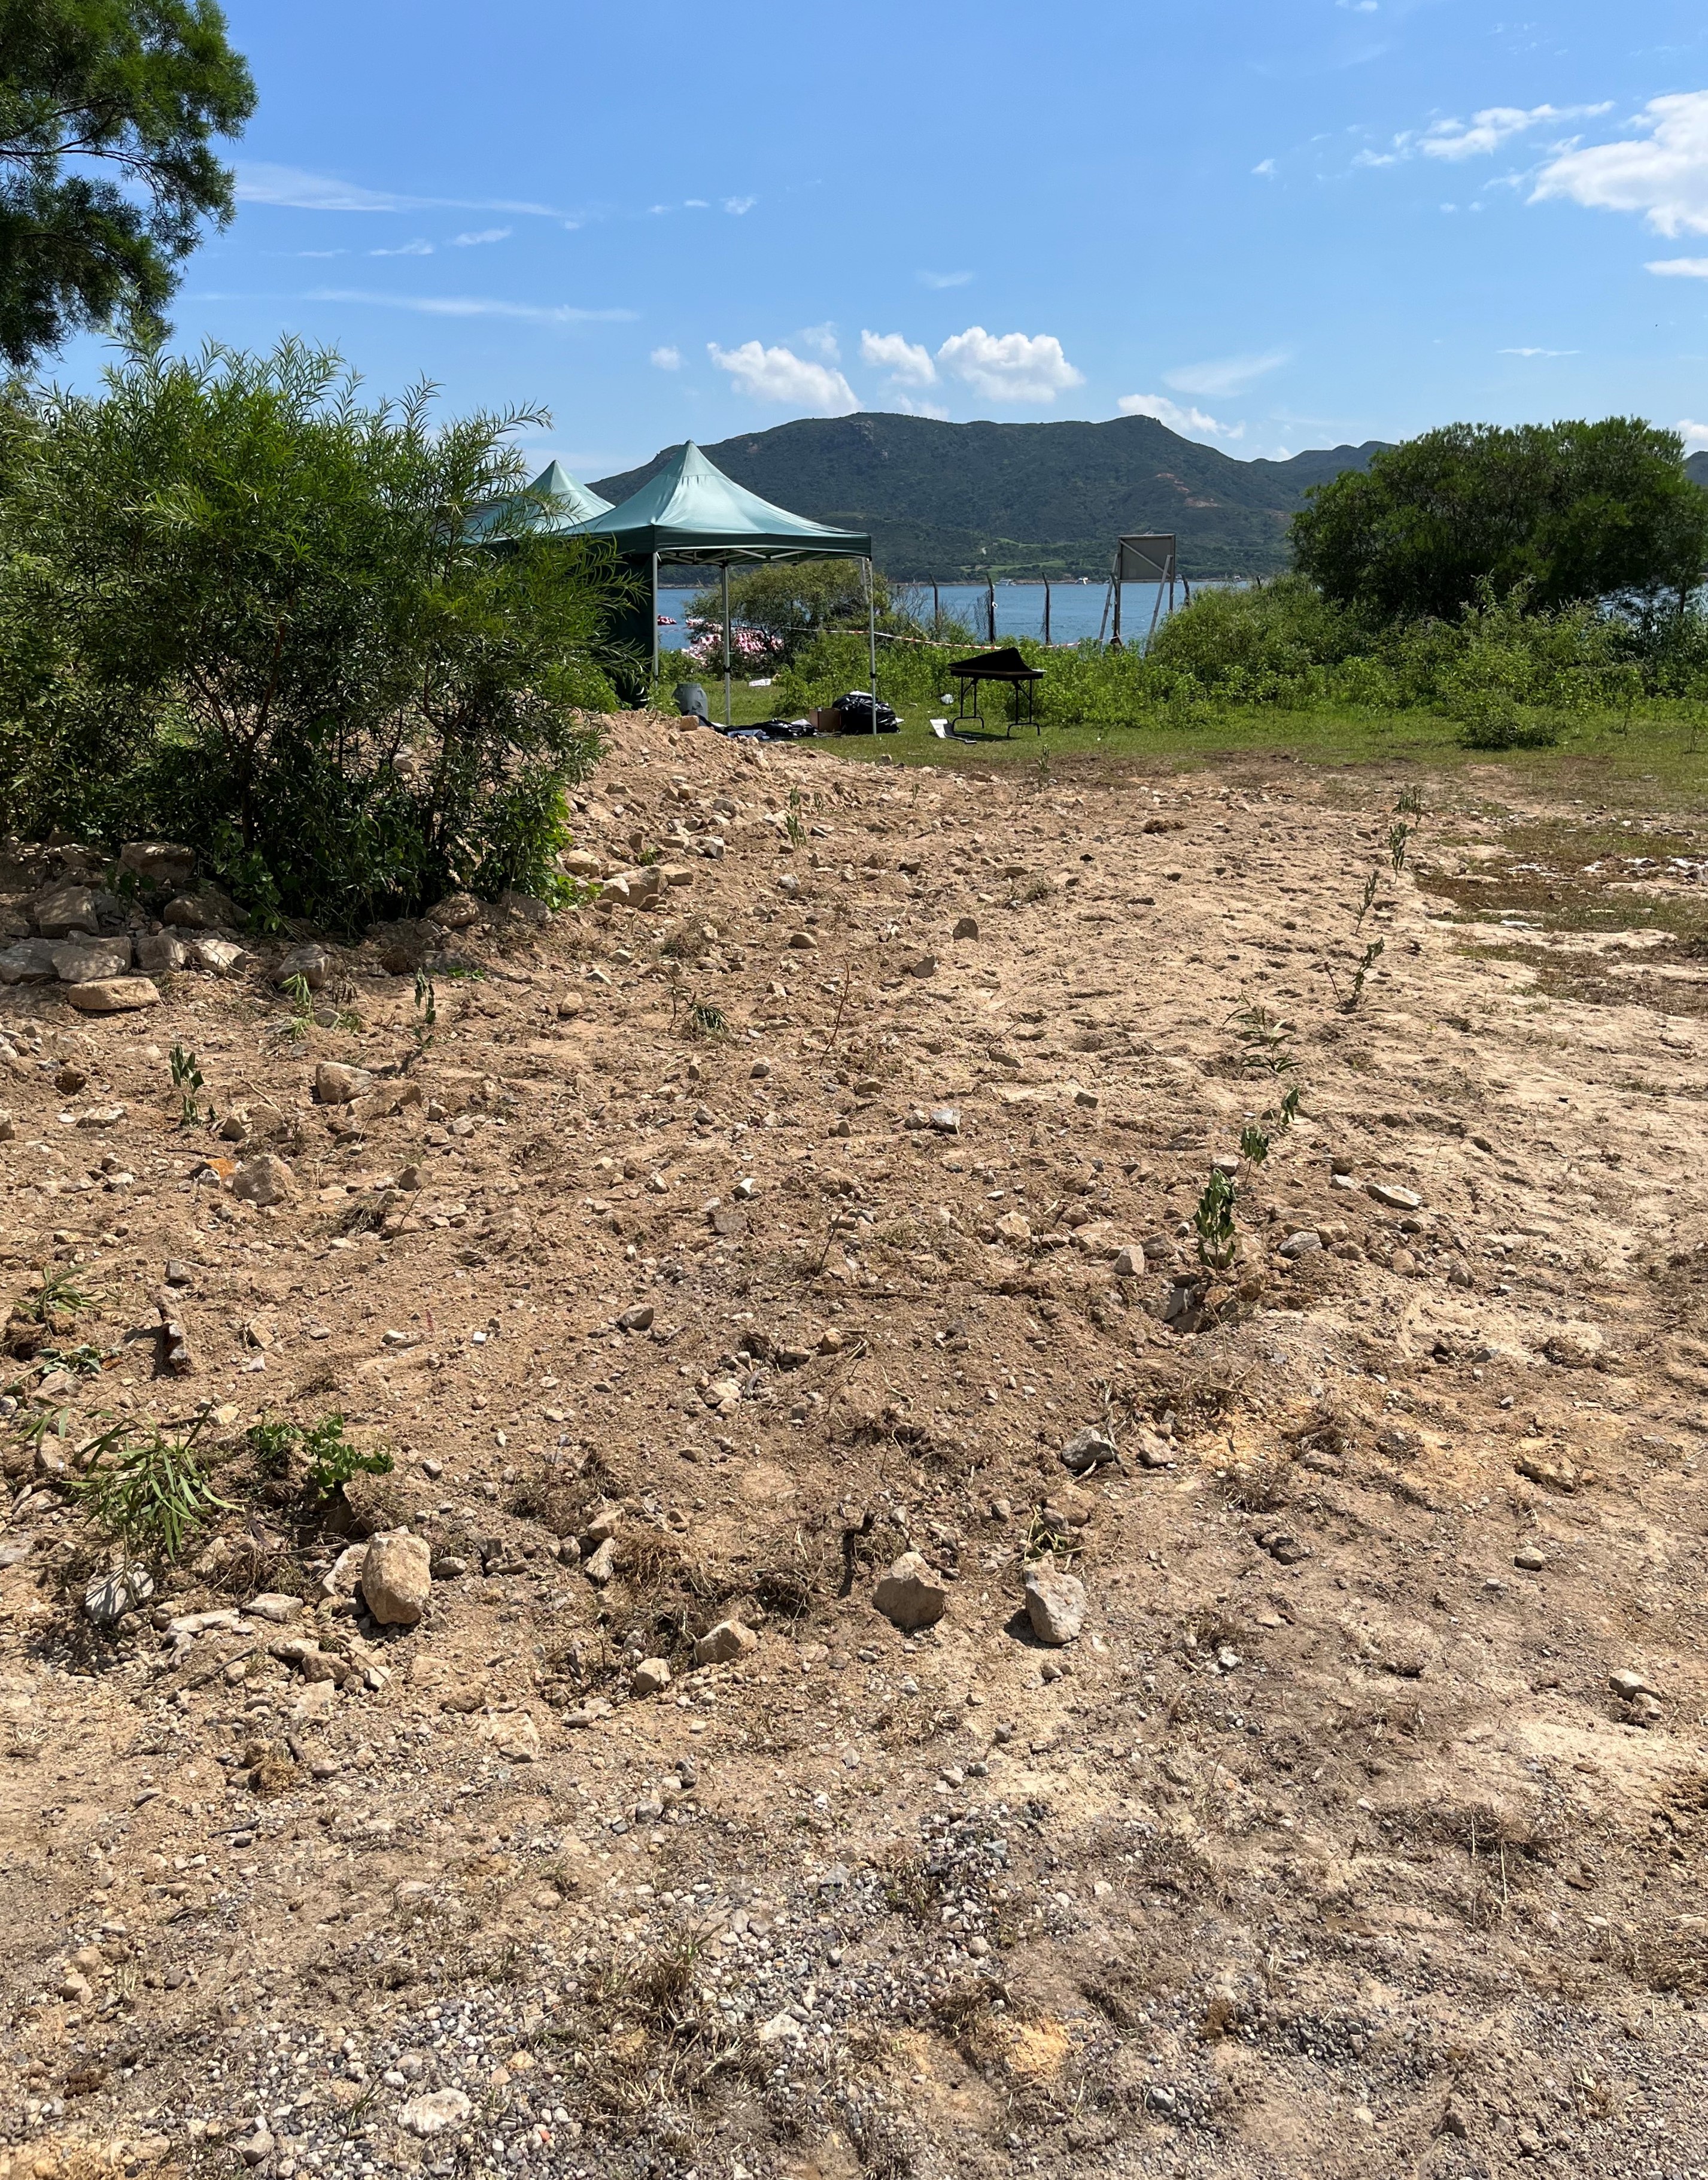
(1367, 961)
(149, 1494)
(187, 1081)
(1218, 1238)
(59, 1297)
(332, 1463)
(424, 1027)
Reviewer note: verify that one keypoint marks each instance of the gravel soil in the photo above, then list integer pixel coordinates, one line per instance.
(695, 1256)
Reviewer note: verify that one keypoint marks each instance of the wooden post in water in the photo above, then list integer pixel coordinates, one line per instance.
(1046, 613)
(937, 610)
(990, 608)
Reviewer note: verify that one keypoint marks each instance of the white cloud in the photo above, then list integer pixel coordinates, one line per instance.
(1009, 366)
(739, 205)
(416, 248)
(1679, 269)
(1190, 423)
(259, 182)
(778, 374)
(1493, 126)
(904, 404)
(1229, 374)
(696, 204)
(480, 235)
(1537, 351)
(1663, 174)
(473, 307)
(822, 341)
(907, 364)
(1264, 167)
(1695, 436)
(943, 279)
(666, 358)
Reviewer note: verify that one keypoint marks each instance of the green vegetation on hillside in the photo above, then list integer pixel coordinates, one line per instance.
(945, 500)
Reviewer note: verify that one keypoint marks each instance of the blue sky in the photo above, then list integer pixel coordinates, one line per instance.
(1275, 224)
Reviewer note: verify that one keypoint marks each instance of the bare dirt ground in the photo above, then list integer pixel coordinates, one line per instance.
(700, 1260)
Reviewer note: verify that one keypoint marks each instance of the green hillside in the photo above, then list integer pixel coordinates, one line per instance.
(950, 500)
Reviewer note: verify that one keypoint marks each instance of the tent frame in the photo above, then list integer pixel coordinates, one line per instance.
(726, 557)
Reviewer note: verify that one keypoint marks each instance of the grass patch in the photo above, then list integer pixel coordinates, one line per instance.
(1653, 758)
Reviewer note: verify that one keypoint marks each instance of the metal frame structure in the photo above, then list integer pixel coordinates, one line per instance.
(1145, 556)
(1006, 665)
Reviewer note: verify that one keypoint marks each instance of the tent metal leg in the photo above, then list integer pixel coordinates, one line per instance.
(655, 616)
(726, 645)
(872, 637)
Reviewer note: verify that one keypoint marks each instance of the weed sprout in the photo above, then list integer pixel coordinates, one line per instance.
(187, 1081)
(425, 1028)
(149, 1495)
(1218, 1242)
(332, 1460)
(1367, 961)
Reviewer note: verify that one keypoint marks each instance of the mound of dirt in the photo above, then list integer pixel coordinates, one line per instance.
(1277, 1749)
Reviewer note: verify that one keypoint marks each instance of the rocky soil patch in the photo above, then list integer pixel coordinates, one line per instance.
(823, 1639)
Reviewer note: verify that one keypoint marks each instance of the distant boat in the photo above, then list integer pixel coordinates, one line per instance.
(666, 620)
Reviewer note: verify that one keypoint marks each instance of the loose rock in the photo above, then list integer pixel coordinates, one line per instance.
(727, 1640)
(910, 1596)
(264, 1180)
(1055, 1602)
(433, 2111)
(335, 1084)
(113, 996)
(397, 1579)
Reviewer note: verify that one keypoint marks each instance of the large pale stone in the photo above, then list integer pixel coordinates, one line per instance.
(113, 995)
(65, 912)
(158, 862)
(158, 952)
(336, 1084)
(310, 961)
(435, 2112)
(910, 1596)
(727, 1640)
(266, 1180)
(87, 961)
(1055, 1602)
(28, 962)
(397, 1579)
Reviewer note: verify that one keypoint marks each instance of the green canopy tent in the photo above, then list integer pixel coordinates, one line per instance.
(569, 503)
(691, 512)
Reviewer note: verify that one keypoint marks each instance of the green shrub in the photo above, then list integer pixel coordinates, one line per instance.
(332, 1460)
(1268, 644)
(150, 1494)
(239, 608)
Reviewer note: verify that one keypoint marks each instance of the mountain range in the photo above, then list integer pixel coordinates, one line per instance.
(953, 501)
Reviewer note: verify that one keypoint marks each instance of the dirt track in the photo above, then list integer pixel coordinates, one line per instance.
(1328, 1846)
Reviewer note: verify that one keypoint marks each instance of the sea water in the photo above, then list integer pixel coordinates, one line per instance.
(1077, 610)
